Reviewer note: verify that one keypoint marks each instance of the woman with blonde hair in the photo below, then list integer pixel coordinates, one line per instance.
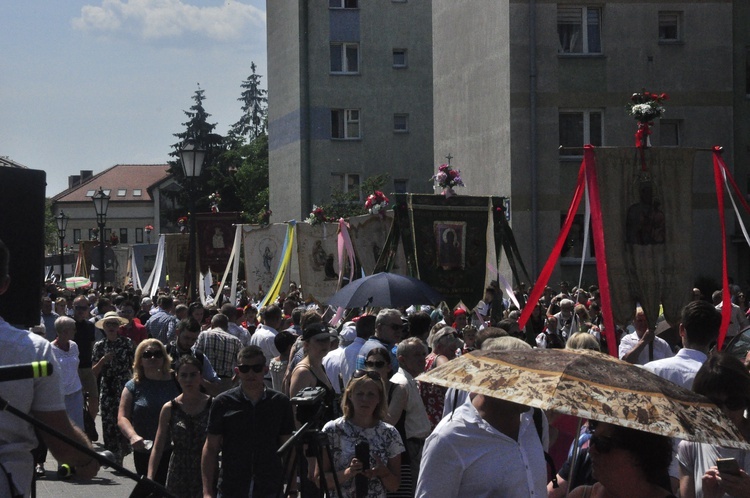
(365, 406)
(583, 340)
(141, 402)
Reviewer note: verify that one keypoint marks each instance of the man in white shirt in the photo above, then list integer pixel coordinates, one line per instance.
(488, 448)
(264, 335)
(642, 345)
(411, 354)
(699, 329)
(365, 327)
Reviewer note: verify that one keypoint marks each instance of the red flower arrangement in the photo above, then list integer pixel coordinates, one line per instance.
(377, 203)
(182, 223)
(148, 228)
(316, 216)
(447, 178)
(645, 107)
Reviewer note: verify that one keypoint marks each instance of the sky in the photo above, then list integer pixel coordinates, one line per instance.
(85, 85)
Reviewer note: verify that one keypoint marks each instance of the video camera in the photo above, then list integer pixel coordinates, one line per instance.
(310, 404)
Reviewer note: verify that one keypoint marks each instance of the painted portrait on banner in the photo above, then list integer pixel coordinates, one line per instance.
(317, 253)
(450, 241)
(215, 239)
(369, 233)
(263, 249)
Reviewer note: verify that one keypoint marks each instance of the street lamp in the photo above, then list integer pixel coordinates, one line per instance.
(192, 157)
(62, 224)
(101, 203)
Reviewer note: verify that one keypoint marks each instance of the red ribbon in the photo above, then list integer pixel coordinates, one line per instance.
(549, 266)
(601, 261)
(726, 307)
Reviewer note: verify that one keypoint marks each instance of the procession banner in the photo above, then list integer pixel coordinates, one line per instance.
(317, 253)
(263, 252)
(215, 239)
(647, 220)
(369, 234)
(142, 263)
(447, 239)
(177, 252)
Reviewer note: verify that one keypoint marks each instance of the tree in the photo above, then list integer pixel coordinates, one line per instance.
(254, 108)
(348, 204)
(197, 128)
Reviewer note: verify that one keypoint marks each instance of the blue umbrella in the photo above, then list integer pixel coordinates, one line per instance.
(385, 290)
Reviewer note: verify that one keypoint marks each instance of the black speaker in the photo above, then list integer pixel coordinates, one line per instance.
(22, 206)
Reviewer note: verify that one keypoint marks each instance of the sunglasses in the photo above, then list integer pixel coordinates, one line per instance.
(369, 373)
(80, 308)
(604, 444)
(375, 364)
(147, 355)
(396, 326)
(111, 324)
(257, 368)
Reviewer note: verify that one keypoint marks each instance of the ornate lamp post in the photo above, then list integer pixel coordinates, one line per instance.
(101, 203)
(192, 157)
(62, 225)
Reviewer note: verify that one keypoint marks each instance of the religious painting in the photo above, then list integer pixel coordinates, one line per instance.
(450, 241)
(645, 223)
(215, 239)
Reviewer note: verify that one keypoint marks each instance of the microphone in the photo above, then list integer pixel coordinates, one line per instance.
(31, 370)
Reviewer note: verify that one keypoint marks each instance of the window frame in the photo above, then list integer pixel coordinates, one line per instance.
(583, 26)
(76, 235)
(590, 256)
(342, 46)
(566, 155)
(401, 185)
(343, 123)
(344, 180)
(405, 53)
(677, 132)
(139, 235)
(677, 24)
(342, 4)
(123, 235)
(399, 115)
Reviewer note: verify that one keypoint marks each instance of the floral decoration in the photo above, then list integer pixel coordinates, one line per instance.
(114, 239)
(265, 216)
(182, 223)
(215, 199)
(316, 216)
(376, 203)
(646, 106)
(149, 228)
(447, 178)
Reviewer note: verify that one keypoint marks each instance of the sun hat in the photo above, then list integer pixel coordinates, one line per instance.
(111, 315)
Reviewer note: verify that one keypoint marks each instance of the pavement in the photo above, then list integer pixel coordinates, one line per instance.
(106, 484)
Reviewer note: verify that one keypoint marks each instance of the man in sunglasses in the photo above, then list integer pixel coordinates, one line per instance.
(247, 424)
(388, 327)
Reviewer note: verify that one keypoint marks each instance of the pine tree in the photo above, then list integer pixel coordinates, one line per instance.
(254, 108)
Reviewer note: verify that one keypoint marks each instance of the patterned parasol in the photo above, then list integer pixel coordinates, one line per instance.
(590, 385)
(77, 283)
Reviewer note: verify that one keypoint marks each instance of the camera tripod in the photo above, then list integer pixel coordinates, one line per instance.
(316, 441)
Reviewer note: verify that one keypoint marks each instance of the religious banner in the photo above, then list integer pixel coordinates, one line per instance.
(263, 251)
(445, 242)
(215, 239)
(647, 225)
(177, 253)
(317, 254)
(142, 264)
(369, 234)
(90, 256)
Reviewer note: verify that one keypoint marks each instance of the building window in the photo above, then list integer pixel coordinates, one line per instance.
(92, 235)
(345, 58)
(401, 123)
(137, 192)
(347, 183)
(76, 235)
(399, 57)
(578, 128)
(90, 193)
(121, 192)
(669, 132)
(123, 235)
(342, 4)
(139, 235)
(579, 29)
(107, 234)
(573, 248)
(670, 27)
(401, 185)
(345, 124)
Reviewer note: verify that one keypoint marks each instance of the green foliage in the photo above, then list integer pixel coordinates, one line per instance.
(348, 204)
(252, 124)
(51, 240)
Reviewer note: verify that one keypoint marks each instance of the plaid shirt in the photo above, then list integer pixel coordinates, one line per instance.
(221, 348)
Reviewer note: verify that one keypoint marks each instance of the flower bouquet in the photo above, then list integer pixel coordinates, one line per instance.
(645, 107)
(316, 216)
(447, 178)
(182, 223)
(376, 203)
(215, 199)
(148, 228)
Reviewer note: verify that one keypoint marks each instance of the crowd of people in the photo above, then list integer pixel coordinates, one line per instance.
(205, 395)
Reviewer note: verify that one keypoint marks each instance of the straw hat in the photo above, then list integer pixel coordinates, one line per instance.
(111, 315)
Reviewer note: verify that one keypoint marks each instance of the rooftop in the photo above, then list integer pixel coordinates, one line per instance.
(123, 182)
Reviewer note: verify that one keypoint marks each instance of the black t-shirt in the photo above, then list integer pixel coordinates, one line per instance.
(84, 338)
(250, 440)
